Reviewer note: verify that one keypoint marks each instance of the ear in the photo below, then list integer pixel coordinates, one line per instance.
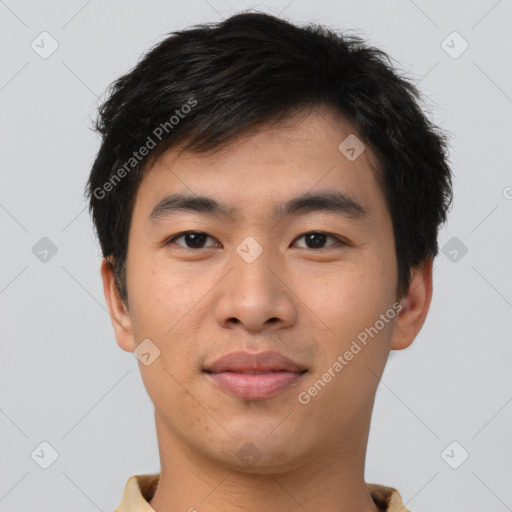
(415, 306)
(119, 315)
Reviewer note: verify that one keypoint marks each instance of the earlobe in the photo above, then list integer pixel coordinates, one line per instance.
(415, 306)
(119, 315)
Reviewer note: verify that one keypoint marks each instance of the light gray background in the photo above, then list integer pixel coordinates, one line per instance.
(65, 381)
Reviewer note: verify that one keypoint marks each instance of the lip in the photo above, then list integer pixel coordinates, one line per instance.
(245, 362)
(255, 376)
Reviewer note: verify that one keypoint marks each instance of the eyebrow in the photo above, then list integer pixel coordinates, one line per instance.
(330, 202)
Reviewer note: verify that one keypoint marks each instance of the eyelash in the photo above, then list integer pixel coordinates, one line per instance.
(180, 235)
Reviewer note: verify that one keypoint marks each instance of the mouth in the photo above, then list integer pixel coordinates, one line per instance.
(254, 376)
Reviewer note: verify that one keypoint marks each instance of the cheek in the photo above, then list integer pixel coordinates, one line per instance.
(165, 303)
(349, 299)
(159, 296)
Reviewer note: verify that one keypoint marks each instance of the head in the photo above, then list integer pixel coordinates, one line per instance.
(308, 187)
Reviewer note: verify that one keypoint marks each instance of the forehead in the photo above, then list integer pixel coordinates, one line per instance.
(266, 167)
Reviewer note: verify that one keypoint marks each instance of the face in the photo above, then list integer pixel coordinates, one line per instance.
(313, 280)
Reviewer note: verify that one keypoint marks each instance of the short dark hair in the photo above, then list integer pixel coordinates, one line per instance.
(203, 86)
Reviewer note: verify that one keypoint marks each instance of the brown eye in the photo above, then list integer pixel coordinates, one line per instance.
(317, 239)
(192, 240)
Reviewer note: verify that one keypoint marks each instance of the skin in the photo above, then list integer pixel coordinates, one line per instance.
(197, 304)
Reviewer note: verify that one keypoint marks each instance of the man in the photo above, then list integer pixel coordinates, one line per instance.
(267, 198)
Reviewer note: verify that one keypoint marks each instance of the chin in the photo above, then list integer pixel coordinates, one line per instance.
(262, 455)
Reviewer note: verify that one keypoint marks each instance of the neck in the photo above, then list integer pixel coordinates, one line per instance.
(332, 481)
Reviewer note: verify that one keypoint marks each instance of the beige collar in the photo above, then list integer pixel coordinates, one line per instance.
(140, 489)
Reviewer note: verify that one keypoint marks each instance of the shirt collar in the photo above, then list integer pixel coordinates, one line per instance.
(140, 489)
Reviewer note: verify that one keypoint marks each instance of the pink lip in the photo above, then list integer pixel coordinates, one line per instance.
(243, 362)
(255, 386)
(254, 376)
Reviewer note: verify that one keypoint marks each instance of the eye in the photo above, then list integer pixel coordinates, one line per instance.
(192, 239)
(316, 239)
(197, 240)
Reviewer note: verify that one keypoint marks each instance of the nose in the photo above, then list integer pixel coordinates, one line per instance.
(255, 296)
